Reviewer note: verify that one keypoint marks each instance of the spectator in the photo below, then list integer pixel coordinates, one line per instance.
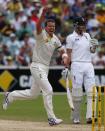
(99, 59)
(66, 11)
(100, 15)
(2, 60)
(6, 51)
(31, 24)
(28, 44)
(21, 16)
(56, 7)
(13, 45)
(3, 5)
(15, 22)
(34, 15)
(28, 7)
(92, 22)
(22, 59)
(14, 5)
(70, 2)
(28, 40)
(10, 61)
(5, 28)
(24, 29)
(77, 8)
(101, 34)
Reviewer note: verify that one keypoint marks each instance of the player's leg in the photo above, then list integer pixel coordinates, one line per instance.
(77, 80)
(47, 92)
(47, 97)
(20, 95)
(77, 98)
(33, 92)
(89, 82)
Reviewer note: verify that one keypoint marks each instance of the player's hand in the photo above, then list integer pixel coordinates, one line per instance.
(66, 72)
(93, 45)
(94, 42)
(66, 61)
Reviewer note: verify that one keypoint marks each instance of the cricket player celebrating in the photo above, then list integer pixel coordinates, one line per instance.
(46, 43)
(79, 48)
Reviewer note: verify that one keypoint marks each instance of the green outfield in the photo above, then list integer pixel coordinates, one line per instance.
(33, 110)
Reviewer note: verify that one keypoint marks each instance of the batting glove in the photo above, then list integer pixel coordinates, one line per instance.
(94, 42)
(93, 45)
(66, 72)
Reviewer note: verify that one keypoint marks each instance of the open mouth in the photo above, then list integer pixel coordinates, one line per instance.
(51, 31)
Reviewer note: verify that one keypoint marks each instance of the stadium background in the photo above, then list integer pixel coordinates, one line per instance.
(18, 20)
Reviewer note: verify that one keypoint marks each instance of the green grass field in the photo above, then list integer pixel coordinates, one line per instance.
(33, 110)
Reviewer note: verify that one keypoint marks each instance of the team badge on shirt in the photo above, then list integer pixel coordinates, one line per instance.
(76, 39)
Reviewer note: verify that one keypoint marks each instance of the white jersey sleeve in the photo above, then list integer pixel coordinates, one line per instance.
(57, 42)
(87, 35)
(69, 42)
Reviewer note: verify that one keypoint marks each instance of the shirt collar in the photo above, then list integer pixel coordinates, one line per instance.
(75, 33)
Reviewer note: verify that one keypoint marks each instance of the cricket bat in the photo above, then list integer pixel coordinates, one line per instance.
(69, 96)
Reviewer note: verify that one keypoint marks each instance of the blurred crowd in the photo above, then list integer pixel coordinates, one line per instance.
(18, 20)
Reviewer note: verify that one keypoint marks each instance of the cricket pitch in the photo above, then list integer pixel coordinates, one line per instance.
(9, 125)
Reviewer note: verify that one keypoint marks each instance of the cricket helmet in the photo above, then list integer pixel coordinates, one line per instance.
(79, 21)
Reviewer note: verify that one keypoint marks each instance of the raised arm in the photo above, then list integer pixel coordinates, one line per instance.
(41, 20)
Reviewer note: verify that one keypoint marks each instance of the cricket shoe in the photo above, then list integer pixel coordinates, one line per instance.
(76, 121)
(6, 101)
(89, 120)
(54, 121)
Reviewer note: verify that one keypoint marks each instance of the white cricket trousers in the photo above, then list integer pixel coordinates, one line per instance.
(83, 74)
(40, 83)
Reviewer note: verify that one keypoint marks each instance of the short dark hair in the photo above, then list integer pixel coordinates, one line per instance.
(49, 20)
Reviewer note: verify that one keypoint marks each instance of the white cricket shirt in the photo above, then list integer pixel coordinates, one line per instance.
(80, 46)
(44, 48)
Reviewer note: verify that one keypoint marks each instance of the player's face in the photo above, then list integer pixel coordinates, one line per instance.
(80, 29)
(50, 28)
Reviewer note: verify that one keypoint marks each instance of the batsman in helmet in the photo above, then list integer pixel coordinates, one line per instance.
(80, 47)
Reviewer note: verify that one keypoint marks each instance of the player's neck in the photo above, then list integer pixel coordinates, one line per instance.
(79, 33)
(50, 35)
